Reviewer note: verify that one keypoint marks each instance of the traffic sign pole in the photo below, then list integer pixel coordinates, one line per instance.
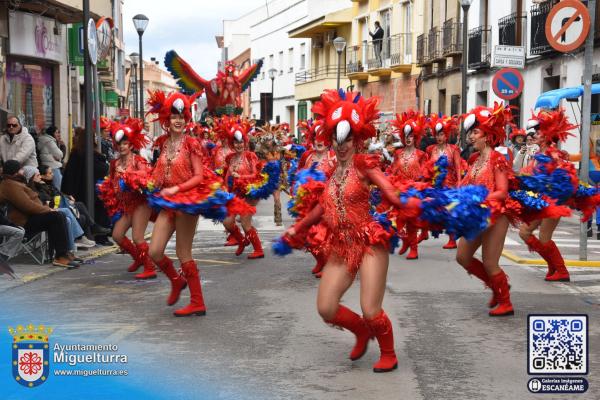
(584, 167)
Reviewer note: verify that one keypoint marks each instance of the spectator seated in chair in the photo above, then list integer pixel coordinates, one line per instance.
(11, 237)
(26, 210)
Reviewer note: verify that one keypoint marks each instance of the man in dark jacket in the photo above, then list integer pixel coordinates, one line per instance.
(377, 37)
(26, 210)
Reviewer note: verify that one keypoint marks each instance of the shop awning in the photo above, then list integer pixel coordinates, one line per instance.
(552, 98)
(65, 11)
(322, 24)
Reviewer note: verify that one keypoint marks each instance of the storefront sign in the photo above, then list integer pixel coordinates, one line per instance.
(33, 36)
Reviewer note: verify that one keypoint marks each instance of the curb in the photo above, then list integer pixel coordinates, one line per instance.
(538, 261)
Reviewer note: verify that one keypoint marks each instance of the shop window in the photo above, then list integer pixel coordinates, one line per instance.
(30, 94)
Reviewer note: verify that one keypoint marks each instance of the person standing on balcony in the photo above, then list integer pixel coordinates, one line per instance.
(377, 37)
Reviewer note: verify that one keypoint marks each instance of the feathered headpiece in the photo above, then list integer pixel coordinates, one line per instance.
(446, 124)
(313, 132)
(410, 123)
(238, 131)
(105, 123)
(553, 125)
(491, 120)
(348, 114)
(517, 132)
(164, 105)
(131, 130)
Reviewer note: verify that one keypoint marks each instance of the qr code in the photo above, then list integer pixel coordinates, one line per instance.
(557, 344)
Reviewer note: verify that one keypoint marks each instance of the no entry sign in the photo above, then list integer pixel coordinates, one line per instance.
(507, 83)
(567, 25)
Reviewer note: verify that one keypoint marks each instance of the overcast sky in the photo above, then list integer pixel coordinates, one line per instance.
(186, 26)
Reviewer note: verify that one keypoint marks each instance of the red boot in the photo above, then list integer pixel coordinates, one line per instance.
(534, 244)
(558, 263)
(130, 248)
(346, 318)
(424, 235)
(178, 282)
(148, 273)
(499, 284)
(320, 261)
(231, 241)
(405, 237)
(476, 269)
(252, 236)
(381, 328)
(451, 243)
(196, 306)
(241, 241)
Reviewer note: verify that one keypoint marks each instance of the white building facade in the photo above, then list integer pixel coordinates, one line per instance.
(521, 23)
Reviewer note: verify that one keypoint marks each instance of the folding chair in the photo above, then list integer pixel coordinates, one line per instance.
(37, 247)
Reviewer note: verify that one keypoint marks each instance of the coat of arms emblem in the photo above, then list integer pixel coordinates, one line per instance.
(30, 354)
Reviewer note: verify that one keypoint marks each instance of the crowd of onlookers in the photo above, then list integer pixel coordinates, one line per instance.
(40, 192)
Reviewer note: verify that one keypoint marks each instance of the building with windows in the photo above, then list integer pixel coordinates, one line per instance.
(522, 23)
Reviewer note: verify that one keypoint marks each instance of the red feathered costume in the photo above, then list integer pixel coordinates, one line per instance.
(408, 168)
(176, 167)
(341, 223)
(132, 171)
(553, 127)
(240, 169)
(494, 173)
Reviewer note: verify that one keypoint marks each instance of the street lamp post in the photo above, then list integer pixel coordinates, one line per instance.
(141, 22)
(340, 44)
(465, 60)
(272, 73)
(134, 62)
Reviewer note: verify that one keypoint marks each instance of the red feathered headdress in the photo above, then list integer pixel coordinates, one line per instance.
(131, 130)
(446, 124)
(164, 105)
(313, 132)
(491, 120)
(348, 113)
(553, 125)
(238, 131)
(410, 123)
(517, 132)
(105, 123)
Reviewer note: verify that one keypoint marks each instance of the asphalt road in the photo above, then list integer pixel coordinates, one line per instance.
(262, 338)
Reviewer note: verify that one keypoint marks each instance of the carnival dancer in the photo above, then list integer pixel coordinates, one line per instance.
(552, 128)
(272, 137)
(445, 128)
(128, 209)
(323, 156)
(486, 127)
(179, 176)
(242, 174)
(350, 236)
(407, 168)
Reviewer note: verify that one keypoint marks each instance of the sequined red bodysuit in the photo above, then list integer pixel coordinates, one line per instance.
(327, 164)
(245, 165)
(128, 200)
(452, 153)
(408, 166)
(347, 230)
(220, 155)
(175, 168)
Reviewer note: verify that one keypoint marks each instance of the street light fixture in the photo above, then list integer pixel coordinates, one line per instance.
(340, 44)
(272, 73)
(465, 4)
(140, 22)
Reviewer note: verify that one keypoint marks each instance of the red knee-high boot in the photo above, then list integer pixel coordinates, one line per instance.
(148, 273)
(196, 306)
(499, 284)
(346, 318)
(231, 240)
(405, 237)
(413, 240)
(252, 236)
(534, 244)
(557, 261)
(451, 243)
(131, 249)
(242, 242)
(178, 282)
(424, 235)
(321, 260)
(476, 268)
(381, 328)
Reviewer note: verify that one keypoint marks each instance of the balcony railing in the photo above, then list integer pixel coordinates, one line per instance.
(452, 38)
(422, 55)
(378, 53)
(480, 47)
(434, 44)
(511, 29)
(354, 59)
(539, 14)
(329, 71)
(401, 49)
